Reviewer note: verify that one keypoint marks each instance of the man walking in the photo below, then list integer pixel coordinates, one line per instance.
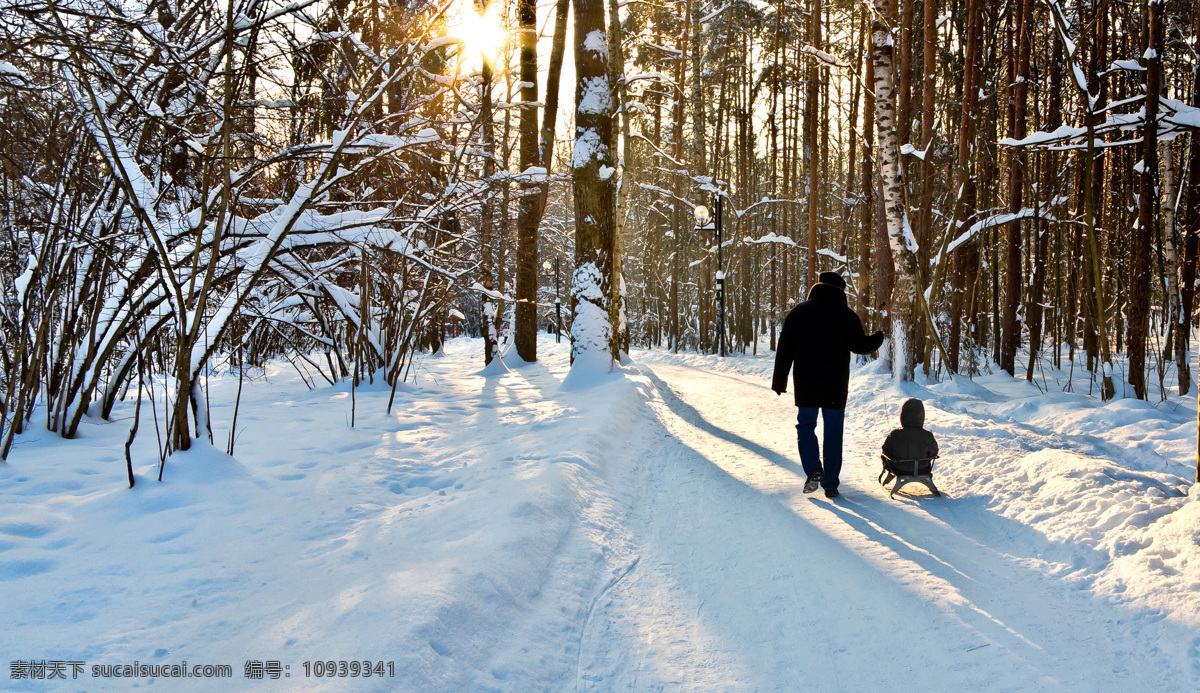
(817, 337)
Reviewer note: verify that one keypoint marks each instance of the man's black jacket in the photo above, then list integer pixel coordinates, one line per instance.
(815, 344)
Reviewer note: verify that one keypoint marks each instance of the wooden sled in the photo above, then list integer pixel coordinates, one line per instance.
(906, 472)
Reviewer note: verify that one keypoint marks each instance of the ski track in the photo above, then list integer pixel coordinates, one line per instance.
(744, 583)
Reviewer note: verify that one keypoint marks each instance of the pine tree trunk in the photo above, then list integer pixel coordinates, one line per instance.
(677, 221)
(925, 230)
(965, 257)
(1191, 231)
(1046, 189)
(528, 215)
(866, 233)
(1011, 338)
(616, 51)
(904, 75)
(1138, 317)
(811, 149)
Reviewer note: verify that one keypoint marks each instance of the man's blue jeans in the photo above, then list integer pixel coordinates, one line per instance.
(810, 453)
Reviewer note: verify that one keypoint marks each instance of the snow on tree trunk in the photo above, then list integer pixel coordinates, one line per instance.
(903, 307)
(593, 337)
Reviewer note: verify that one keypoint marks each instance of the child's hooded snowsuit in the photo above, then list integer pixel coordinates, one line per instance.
(911, 442)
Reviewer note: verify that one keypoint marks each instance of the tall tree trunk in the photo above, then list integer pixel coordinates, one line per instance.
(1138, 317)
(903, 310)
(1011, 325)
(965, 258)
(528, 216)
(1171, 265)
(592, 331)
(617, 54)
(487, 221)
(1038, 282)
(811, 148)
(904, 75)
(866, 234)
(925, 231)
(677, 221)
(1191, 228)
(859, 283)
(550, 111)
(1046, 188)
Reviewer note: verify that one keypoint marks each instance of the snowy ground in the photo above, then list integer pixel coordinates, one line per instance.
(497, 532)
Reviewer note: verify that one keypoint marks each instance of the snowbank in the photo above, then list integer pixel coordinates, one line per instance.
(432, 538)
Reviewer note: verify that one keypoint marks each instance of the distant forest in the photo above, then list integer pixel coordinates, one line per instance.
(190, 188)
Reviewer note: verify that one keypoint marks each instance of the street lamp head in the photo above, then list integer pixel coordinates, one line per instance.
(702, 215)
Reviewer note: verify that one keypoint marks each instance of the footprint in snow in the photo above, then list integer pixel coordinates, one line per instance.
(357, 446)
(25, 529)
(15, 570)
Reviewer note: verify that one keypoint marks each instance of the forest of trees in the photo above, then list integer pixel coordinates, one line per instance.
(194, 187)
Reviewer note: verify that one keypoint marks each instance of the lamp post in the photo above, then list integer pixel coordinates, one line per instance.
(557, 304)
(703, 218)
(557, 300)
(718, 203)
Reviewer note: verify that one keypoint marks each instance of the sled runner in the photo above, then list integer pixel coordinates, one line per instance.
(906, 472)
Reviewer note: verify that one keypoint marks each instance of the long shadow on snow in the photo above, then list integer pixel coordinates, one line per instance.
(973, 618)
(930, 543)
(689, 413)
(923, 558)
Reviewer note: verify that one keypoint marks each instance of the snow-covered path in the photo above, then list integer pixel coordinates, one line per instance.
(507, 531)
(742, 582)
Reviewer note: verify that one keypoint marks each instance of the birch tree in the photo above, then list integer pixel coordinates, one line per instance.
(903, 307)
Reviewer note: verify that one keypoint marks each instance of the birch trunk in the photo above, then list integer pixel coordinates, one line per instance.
(903, 308)
(1171, 260)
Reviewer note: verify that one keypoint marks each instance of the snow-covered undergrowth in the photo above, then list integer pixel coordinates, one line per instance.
(1107, 486)
(425, 537)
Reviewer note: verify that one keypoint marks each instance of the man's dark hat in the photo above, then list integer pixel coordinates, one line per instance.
(832, 278)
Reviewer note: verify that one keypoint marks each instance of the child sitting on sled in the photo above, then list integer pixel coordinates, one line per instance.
(911, 441)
